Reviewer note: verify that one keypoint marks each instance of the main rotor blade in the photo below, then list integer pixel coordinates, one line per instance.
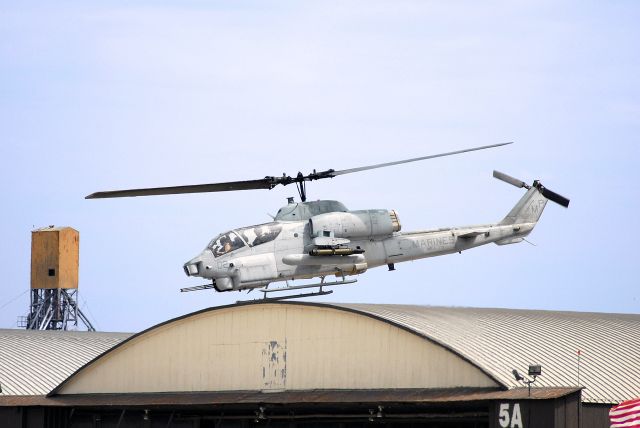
(382, 165)
(264, 183)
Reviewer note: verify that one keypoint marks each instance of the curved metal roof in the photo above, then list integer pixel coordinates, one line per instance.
(495, 340)
(33, 362)
(500, 340)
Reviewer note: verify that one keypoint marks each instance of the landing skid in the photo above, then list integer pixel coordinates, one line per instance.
(320, 291)
(293, 296)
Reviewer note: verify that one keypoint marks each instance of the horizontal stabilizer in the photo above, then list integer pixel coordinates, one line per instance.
(473, 234)
(509, 241)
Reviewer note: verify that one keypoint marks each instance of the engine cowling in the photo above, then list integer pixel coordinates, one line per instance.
(355, 224)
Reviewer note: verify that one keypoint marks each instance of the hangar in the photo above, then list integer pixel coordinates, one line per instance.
(347, 365)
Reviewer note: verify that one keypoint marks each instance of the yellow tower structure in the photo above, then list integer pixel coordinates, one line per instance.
(54, 258)
(54, 280)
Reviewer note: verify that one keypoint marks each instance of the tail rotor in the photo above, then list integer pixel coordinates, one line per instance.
(509, 179)
(551, 195)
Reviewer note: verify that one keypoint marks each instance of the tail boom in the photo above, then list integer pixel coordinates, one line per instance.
(517, 224)
(417, 245)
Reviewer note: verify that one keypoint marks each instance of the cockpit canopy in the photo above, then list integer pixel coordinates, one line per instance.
(238, 238)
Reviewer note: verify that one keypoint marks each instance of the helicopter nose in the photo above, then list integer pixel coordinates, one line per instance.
(200, 265)
(192, 269)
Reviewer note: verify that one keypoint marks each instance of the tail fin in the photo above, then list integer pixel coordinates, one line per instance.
(528, 209)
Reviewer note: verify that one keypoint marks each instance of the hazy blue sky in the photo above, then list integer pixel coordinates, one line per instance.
(106, 95)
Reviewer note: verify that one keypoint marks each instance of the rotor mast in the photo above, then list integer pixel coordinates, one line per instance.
(302, 187)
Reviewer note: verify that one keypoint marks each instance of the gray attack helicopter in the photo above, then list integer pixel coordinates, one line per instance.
(317, 239)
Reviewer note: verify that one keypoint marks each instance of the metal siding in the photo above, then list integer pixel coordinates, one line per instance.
(11, 417)
(33, 362)
(572, 404)
(499, 340)
(595, 416)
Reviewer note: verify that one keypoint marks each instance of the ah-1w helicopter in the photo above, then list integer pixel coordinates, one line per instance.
(310, 239)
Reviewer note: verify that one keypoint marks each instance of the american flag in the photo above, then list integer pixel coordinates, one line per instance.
(625, 414)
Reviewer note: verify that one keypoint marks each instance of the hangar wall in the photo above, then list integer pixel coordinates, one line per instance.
(273, 347)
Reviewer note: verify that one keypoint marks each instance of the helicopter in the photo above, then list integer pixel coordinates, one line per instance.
(318, 239)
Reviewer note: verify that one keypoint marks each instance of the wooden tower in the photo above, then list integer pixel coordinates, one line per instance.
(54, 280)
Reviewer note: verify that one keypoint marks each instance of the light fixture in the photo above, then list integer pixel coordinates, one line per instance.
(517, 375)
(535, 370)
(146, 415)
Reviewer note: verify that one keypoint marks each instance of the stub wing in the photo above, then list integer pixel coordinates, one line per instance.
(329, 241)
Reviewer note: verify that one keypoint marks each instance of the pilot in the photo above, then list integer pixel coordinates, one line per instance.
(223, 246)
(263, 234)
(236, 242)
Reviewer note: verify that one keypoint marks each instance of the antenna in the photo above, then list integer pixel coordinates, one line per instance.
(579, 354)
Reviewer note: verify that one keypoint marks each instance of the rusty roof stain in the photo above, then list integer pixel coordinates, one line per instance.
(415, 396)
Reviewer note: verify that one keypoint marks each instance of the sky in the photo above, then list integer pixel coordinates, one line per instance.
(118, 94)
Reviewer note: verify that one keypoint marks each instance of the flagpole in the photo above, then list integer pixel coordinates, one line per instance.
(580, 399)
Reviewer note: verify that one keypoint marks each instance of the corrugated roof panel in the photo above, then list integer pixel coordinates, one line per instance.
(500, 340)
(33, 362)
(496, 340)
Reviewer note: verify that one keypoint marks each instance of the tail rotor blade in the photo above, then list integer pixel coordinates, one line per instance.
(553, 196)
(508, 179)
